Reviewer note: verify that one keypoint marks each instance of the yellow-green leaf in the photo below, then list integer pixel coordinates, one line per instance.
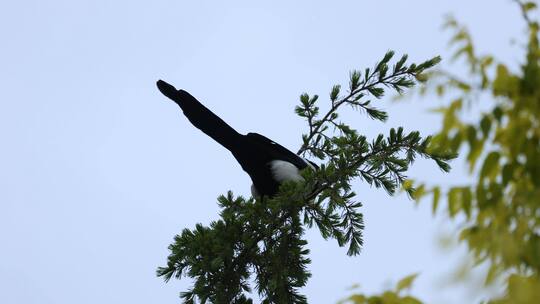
(454, 203)
(406, 282)
(436, 197)
(490, 165)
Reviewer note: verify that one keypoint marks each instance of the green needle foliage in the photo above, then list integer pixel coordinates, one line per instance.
(262, 239)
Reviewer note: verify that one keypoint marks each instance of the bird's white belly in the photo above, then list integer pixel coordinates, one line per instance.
(281, 171)
(285, 171)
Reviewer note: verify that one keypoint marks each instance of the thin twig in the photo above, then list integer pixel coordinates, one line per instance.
(347, 99)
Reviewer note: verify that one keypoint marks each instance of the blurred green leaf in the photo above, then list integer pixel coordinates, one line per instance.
(406, 282)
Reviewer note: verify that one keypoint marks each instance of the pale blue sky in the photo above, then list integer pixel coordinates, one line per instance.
(98, 171)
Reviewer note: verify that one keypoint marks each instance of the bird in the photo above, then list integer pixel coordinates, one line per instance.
(267, 163)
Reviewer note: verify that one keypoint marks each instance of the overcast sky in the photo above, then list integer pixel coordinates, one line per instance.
(98, 171)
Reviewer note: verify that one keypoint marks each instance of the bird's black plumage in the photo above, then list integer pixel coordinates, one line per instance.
(256, 154)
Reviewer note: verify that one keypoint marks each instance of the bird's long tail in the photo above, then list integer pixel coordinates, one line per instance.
(200, 116)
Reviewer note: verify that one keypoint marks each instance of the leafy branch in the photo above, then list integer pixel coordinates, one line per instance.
(382, 163)
(263, 238)
(372, 84)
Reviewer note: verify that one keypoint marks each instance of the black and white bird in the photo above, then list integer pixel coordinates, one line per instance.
(267, 163)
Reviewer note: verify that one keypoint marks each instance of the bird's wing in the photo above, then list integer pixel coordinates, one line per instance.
(200, 116)
(277, 151)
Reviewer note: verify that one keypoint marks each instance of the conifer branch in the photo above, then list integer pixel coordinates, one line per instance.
(402, 76)
(263, 238)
